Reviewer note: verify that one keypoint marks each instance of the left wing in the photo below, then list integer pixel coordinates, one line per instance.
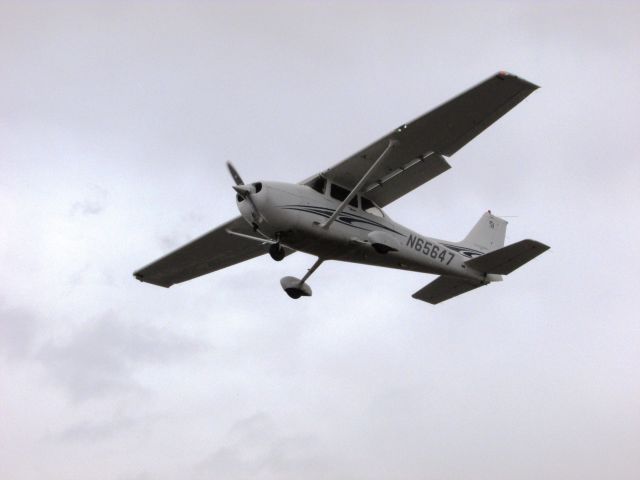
(420, 146)
(210, 252)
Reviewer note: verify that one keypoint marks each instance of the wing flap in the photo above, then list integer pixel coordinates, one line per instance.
(443, 288)
(212, 251)
(407, 178)
(506, 259)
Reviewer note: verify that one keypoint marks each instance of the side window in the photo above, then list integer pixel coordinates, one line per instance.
(340, 194)
(319, 184)
(369, 207)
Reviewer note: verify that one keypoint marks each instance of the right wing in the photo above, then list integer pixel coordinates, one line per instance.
(421, 145)
(210, 252)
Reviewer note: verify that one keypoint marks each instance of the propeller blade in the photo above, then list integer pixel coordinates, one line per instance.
(234, 174)
(242, 190)
(245, 192)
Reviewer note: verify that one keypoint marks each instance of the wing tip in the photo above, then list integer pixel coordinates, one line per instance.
(140, 277)
(503, 74)
(538, 245)
(428, 300)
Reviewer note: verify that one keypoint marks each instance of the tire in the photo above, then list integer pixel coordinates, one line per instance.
(277, 252)
(294, 293)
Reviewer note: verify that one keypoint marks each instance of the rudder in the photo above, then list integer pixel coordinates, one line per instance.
(488, 234)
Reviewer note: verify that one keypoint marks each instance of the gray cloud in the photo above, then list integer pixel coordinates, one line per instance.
(138, 476)
(94, 204)
(186, 223)
(18, 329)
(256, 448)
(534, 377)
(96, 431)
(88, 207)
(100, 356)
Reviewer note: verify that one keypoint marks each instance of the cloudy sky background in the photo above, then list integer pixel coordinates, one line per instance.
(115, 122)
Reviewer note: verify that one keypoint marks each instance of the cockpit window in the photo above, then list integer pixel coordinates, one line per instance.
(340, 194)
(370, 207)
(319, 184)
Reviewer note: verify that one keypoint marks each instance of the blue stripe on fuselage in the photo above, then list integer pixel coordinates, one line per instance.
(344, 218)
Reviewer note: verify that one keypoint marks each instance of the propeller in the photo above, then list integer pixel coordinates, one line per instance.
(245, 192)
(234, 174)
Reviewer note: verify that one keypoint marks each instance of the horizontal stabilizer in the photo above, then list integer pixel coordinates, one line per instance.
(506, 259)
(443, 288)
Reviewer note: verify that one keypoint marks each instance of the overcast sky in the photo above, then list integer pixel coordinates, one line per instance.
(116, 119)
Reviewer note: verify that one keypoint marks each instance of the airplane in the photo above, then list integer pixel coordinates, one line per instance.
(337, 214)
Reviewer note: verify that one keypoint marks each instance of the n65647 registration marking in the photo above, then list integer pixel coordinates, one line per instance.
(430, 249)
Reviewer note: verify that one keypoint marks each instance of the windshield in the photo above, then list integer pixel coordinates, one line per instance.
(370, 207)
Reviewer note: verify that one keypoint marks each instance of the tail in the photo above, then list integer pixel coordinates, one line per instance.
(486, 251)
(484, 246)
(499, 262)
(487, 235)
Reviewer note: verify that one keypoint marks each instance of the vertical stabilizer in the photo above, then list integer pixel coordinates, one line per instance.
(487, 235)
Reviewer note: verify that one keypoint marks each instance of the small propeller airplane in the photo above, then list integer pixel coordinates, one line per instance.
(337, 214)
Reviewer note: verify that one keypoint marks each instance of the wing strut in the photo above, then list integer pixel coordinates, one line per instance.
(251, 237)
(359, 185)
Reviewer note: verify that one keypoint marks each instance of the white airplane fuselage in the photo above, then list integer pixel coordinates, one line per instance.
(293, 214)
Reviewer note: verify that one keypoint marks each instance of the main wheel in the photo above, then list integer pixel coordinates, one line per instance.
(277, 252)
(295, 288)
(294, 293)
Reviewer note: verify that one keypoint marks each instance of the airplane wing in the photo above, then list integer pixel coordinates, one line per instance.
(418, 155)
(210, 252)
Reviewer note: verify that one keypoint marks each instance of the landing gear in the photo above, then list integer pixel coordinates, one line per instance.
(276, 251)
(296, 288)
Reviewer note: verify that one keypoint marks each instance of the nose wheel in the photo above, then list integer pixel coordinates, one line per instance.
(276, 251)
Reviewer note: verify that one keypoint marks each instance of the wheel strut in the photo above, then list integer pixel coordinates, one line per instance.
(295, 287)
